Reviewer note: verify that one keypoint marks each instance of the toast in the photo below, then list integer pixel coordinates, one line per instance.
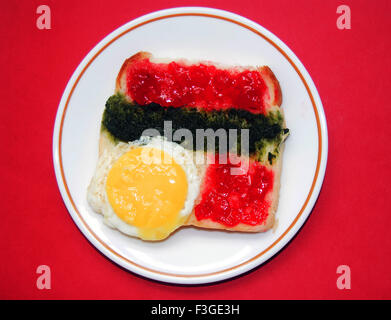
(273, 98)
(271, 157)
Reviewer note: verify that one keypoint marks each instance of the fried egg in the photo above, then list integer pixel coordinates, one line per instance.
(145, 188)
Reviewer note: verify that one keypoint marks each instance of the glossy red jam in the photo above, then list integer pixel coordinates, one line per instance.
(232, 199)
(202, 86)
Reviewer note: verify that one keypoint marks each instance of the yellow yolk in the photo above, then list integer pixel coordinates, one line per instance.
(147, 189)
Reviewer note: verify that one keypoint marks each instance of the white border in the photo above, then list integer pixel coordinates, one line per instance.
(278, 246)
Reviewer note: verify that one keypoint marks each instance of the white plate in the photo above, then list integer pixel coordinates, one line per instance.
(190, 256)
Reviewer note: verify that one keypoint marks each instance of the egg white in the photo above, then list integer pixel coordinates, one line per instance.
(97, 196)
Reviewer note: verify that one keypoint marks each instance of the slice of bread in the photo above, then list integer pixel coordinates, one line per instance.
(273, 96)
(272, 101)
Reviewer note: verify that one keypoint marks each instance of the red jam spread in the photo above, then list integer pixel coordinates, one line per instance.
(232, 199)
(203, 86)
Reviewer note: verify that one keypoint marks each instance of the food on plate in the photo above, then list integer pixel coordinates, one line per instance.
(148, 185)
(139, 193)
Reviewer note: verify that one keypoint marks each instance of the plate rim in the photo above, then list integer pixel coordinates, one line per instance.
(300, 218)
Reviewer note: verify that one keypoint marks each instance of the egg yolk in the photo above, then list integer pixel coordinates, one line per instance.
(147, 189)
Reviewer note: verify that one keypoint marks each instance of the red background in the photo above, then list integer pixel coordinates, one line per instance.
(350, 223)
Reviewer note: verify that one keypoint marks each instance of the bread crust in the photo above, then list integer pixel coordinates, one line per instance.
(120, 84)
(274, 89)
(273, 100)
